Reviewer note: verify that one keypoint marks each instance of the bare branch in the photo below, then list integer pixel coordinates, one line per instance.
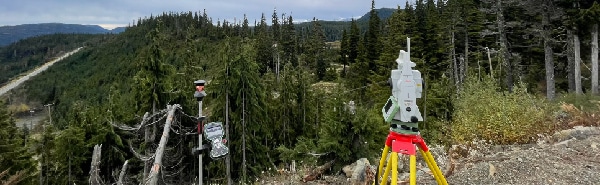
(138, 155)
(122, 174)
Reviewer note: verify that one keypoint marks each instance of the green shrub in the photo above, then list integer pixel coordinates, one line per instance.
(483, 112)
(584, 102)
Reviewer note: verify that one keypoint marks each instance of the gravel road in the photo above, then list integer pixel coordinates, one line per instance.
(19, 81)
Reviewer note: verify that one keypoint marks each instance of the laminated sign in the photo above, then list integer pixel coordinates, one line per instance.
(214, 132)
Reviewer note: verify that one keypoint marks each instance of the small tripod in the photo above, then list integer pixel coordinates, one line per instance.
(405, 144)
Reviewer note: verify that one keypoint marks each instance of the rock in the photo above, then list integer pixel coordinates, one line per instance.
(492, 170)
(349, 169)
(403, 176)
(578, 132)
(356, 170)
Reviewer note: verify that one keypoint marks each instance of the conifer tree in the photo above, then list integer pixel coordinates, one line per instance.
(275, 27)
(153, 71)
(392, 43)
(245, 32)
(343, 58)
(358, 76)
(289, 43)
(353, 41)
(349, 133)
(240, 80)
(15, 157)
(264, 46)
(371, 41)
(151, 81)
(316, 50)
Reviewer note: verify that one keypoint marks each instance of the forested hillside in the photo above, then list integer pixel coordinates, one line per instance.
(30, 53)
(334, 29)
(11, 34)
(287, 94)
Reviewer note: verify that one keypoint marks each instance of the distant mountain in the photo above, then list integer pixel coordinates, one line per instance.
(333, 29)
(382, 13)
(11, 34)
(118, 30)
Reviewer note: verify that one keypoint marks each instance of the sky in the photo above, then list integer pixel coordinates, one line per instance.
(116, 13)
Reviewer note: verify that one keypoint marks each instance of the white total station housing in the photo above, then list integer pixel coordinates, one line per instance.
(407, 86)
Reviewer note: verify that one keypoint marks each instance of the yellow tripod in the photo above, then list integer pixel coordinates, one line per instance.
(405, 144)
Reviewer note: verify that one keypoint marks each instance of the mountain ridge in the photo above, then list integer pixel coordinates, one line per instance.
(11, 34)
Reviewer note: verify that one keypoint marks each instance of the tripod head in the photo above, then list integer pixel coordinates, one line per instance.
(401, 108)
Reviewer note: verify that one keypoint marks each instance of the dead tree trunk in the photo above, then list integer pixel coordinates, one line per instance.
(578, 89)
(153, 176)
(548, 53)
(594, 59)
(504, 53)
(244, 137)
(490, 62)
(122, 173)
(462, 72)
(95, 166)
(466, 66)
(454, 62)
(227, 158)
(570, 61)
(147, 142)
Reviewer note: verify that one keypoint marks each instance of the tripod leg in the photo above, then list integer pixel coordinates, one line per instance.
(413, 170)
(394, 159)
(428, 161)
(437, 173)
(381, 162)
(388, 167)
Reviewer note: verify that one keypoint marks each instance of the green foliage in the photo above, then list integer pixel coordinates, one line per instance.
(152, 80)
(301, 151)
(71, 147)
(14, 155)
(584, 102)
(315, 49)
(348, 134)
(437, 106)
(371, 40)
(504, 118)
(282, 113)
(239, 84)
(30, 53)
(264, 46)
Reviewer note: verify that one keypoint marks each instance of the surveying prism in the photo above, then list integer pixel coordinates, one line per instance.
(403, 114)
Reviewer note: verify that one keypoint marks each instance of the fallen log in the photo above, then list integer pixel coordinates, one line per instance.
(95, 166)
(317, 172)
(152, 178)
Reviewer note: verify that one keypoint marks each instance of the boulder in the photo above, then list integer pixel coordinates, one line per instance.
(357, 170)
(578, 132)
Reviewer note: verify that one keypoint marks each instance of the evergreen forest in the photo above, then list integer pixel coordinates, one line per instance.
(288, 93)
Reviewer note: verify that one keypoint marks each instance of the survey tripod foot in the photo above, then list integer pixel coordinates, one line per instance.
(406, 145)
